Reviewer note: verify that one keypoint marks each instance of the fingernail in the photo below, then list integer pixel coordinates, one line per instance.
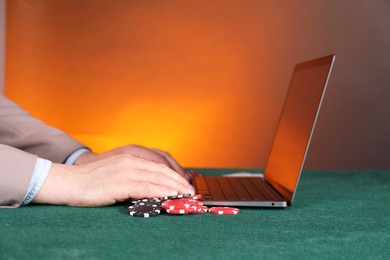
(191, 190)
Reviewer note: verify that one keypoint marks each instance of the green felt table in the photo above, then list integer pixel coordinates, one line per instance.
(335, 215)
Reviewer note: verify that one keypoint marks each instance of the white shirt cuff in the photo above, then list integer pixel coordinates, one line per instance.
(75, 155)
(41, 170)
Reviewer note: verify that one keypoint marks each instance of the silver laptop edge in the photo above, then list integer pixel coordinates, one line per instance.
(314, 125)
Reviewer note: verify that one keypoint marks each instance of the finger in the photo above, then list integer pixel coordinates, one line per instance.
(128, 190)
(151, 155)
(175, 165)
(154, 173)
(154, 155)
(158, 156)
(161, 179)
(141, 190)
(137, 151)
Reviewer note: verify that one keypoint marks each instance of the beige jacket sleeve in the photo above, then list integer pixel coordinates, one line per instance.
(31, 138)
(16, 169)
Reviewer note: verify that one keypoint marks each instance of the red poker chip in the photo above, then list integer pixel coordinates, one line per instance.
(196, 197)
(202, 209)
(182, 211)
(168, 204)
(199, 209)
(187, 205)
(195, 202)
(184, 206)
(224, 210)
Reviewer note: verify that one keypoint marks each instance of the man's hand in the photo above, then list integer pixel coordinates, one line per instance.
(154, 155)
(110, 180)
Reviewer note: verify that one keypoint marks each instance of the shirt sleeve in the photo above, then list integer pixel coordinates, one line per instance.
(75, 155)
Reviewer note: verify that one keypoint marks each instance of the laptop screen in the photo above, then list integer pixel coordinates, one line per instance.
(296, 124)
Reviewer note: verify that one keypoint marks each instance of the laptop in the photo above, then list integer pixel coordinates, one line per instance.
(289, 148)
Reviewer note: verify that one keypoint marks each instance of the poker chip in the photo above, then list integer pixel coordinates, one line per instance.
(202, 209)
(179, 196)
(184, 206)
(185, 202)
(181, 211)
(196, 197)
(145, 208)
(157, 200)
(224, 210)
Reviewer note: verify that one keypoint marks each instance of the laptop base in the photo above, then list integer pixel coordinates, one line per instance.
(237, 191)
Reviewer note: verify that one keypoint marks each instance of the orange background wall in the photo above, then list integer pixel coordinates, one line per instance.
(204, 80)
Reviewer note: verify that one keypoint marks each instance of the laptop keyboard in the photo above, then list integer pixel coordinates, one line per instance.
(235, 189)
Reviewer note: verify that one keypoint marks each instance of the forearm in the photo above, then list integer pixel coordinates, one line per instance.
(20, 130)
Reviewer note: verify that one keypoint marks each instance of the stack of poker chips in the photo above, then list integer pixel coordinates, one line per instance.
(188, 205)
(177, 205)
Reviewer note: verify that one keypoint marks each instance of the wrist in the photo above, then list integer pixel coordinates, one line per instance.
(58, 187)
